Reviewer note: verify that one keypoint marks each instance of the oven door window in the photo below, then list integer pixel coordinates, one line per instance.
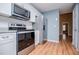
(25, 40)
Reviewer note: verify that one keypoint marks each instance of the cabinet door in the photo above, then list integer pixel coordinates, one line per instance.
(8, 49)
(8, 44)
(21, 4)
(39, 27)
(32, 11)
(5, 9)
(33, 16)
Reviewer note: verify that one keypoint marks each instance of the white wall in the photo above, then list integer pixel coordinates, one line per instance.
(53, 25)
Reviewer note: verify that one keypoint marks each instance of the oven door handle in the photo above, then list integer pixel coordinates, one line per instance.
(24, 32)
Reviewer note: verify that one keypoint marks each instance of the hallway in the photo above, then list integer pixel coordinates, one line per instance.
(51, 48)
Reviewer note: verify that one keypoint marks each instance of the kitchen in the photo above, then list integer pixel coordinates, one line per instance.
(20, 29)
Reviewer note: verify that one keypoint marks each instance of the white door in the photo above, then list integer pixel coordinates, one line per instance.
(75, 27)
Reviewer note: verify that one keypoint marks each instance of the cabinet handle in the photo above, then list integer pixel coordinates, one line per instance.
(5, 37)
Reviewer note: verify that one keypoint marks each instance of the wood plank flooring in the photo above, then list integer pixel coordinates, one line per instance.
(51, 48)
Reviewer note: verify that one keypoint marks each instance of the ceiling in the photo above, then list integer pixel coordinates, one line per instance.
(44, 7)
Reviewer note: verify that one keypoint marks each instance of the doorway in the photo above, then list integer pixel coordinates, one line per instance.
(66, 27)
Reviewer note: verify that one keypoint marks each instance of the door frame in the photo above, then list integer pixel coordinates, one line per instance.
(68, 26)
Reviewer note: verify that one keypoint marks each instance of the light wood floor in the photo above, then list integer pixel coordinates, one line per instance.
(51, 48)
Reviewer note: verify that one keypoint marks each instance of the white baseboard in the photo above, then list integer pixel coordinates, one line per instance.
(36, 43)
(77, 49)
(56, 41)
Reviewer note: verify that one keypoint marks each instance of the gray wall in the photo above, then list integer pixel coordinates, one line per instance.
(53, 25)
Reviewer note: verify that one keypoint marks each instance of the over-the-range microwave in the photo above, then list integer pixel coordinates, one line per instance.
(19, 12)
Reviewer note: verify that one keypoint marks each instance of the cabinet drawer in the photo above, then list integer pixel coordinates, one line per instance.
(7, 37)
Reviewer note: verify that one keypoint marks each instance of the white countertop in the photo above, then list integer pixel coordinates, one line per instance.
(13, 31)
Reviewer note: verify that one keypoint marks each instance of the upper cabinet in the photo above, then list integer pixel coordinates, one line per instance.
(32, 10)
(21, 4)
(5, 9)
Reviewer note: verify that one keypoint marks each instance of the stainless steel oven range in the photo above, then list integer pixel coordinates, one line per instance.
(25, 38)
